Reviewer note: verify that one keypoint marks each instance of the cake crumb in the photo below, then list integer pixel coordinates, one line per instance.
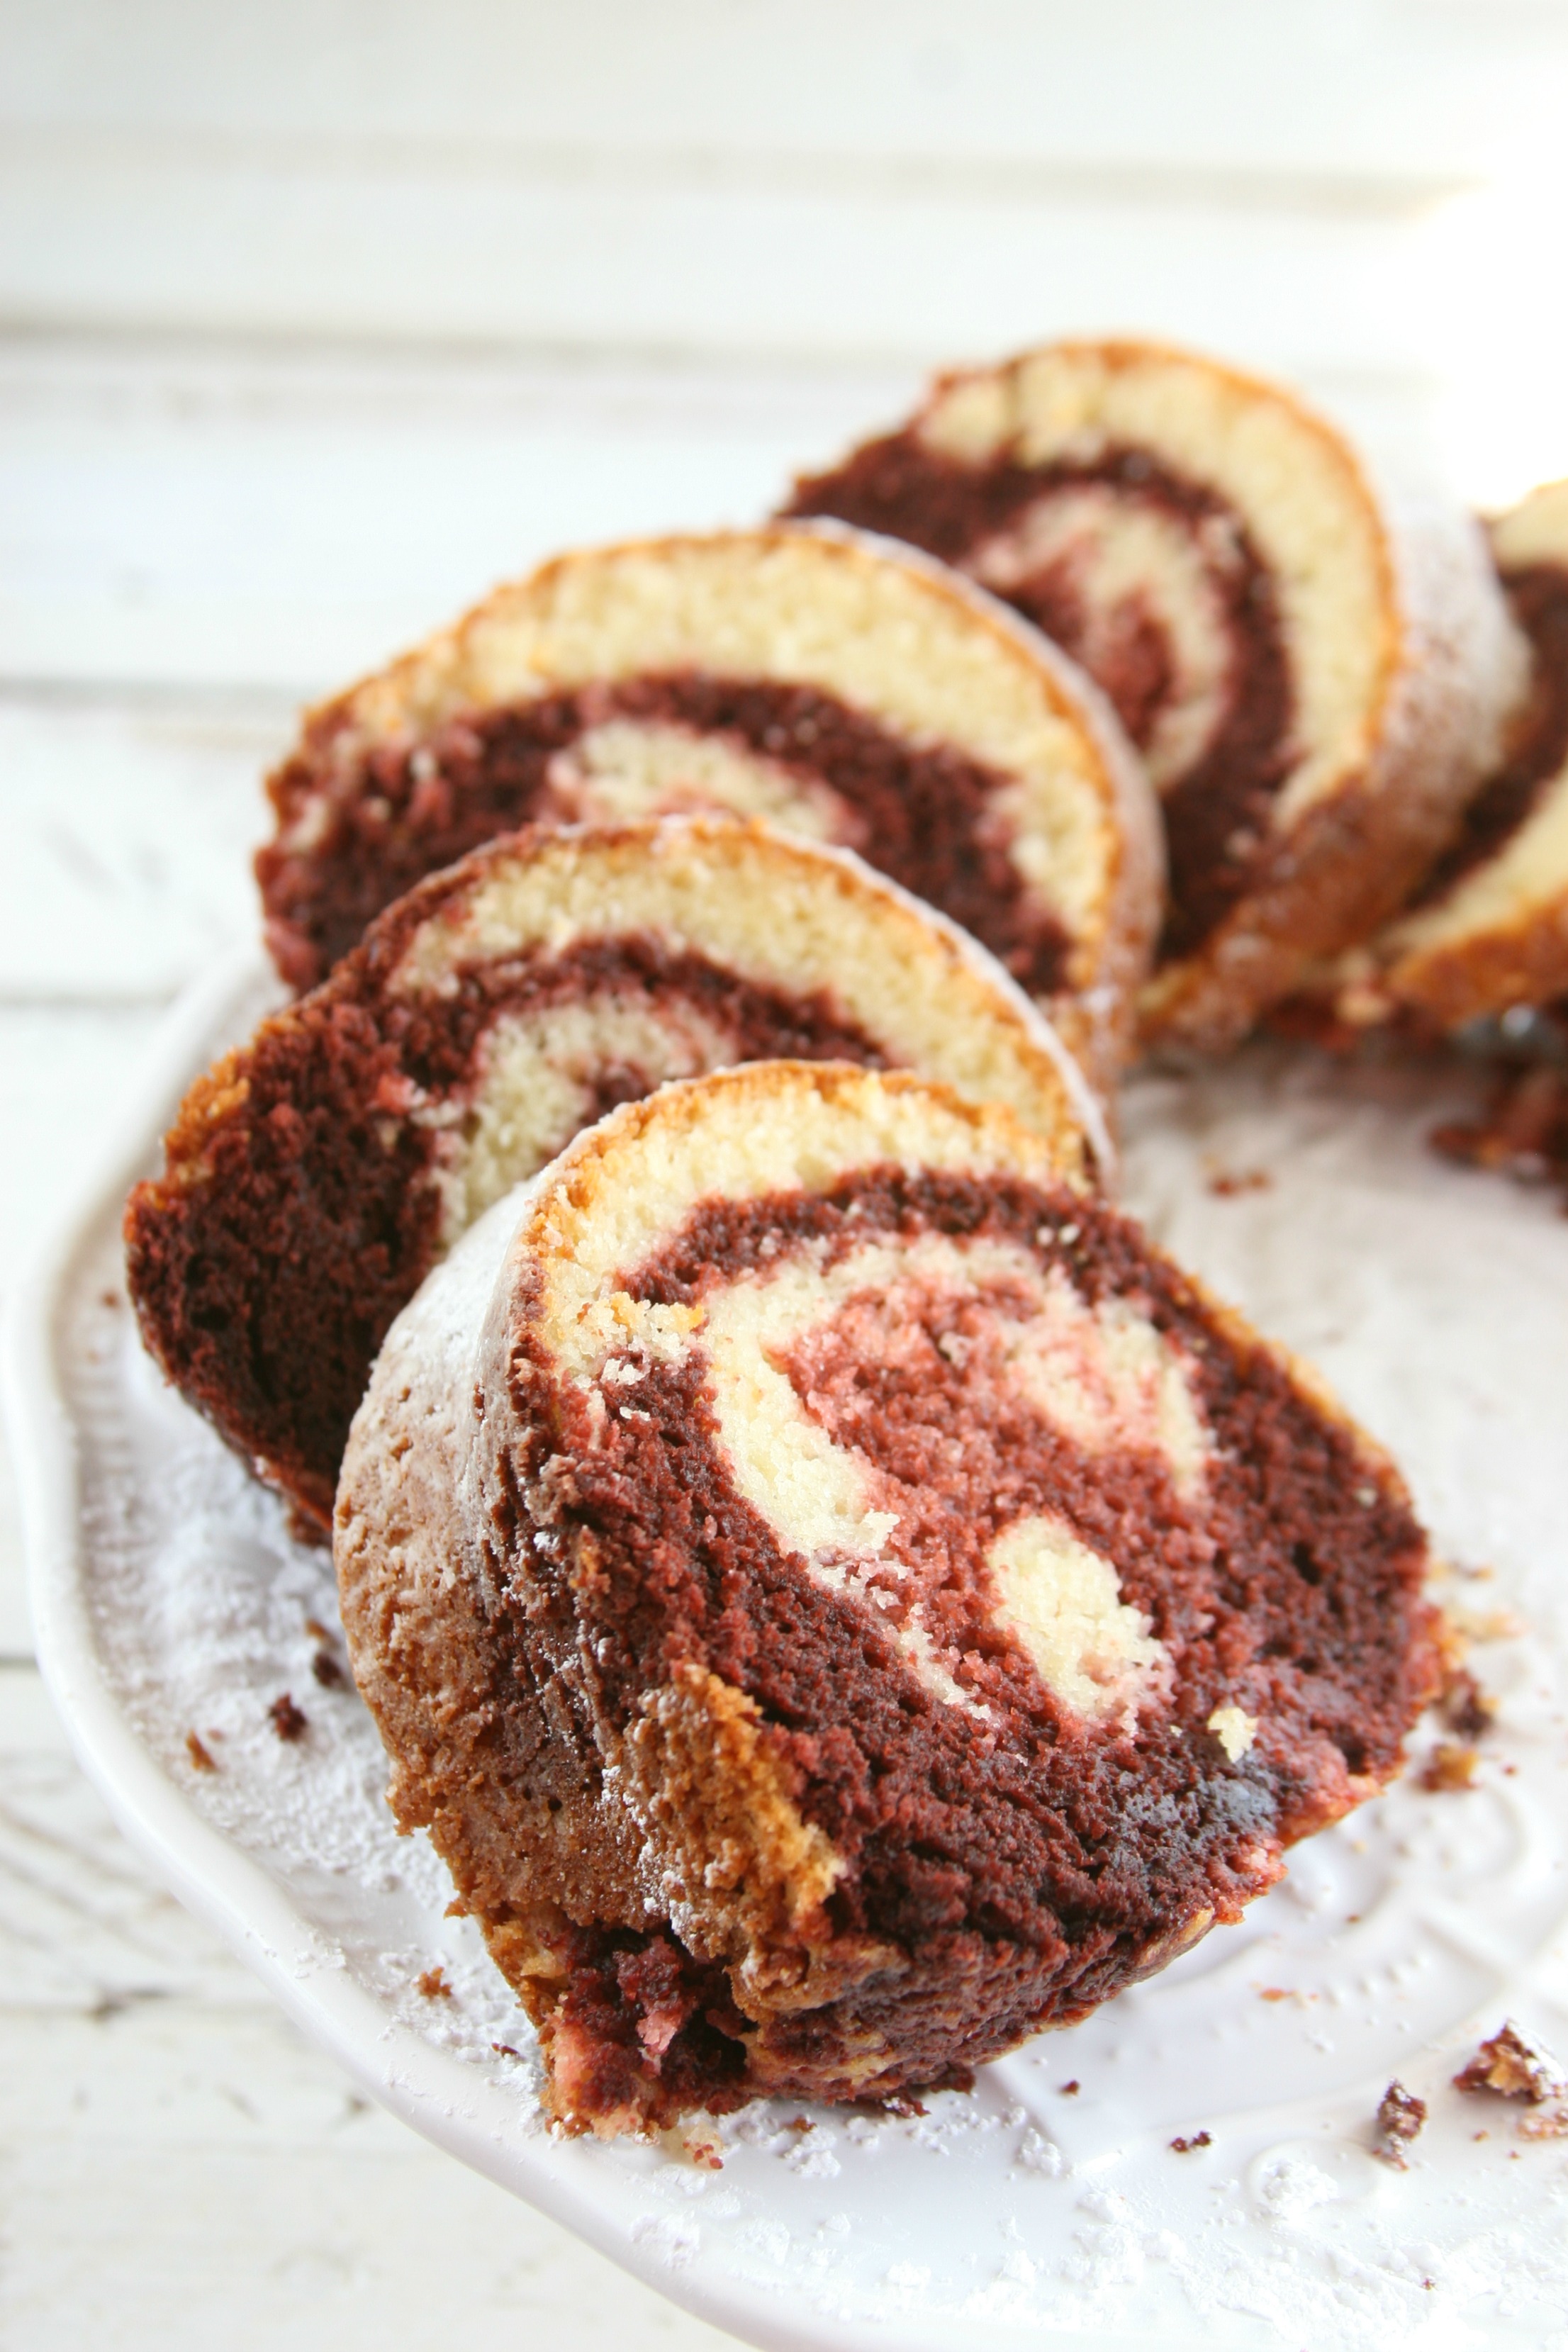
(1465, 1708)
(305, 1528)
(1225, 1183)
(1198, 2139)
(1515, 2069)
(504, 2050)
(704, 2154)
(289, 1721)
(1070, 2090)
(1450, 1767)
(1235, 1729)
(433, 1984)
(327, 1671)
(1400, 2117)
(1523, 1132)
(200, 1754)
(1469, 1625)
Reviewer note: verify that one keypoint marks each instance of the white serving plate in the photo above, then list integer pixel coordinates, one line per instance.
(169, 1598)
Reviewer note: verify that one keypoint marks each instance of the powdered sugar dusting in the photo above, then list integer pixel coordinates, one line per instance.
(1191, 2164)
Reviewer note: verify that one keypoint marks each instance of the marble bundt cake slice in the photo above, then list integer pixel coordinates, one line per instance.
(839, 1600)
(847, 691)
(314, 1177)
(1315, 684)
(1487, 928)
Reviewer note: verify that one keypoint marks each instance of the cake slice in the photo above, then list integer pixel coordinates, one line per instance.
(847, 691)
(316, 1174)
(1316, 681)
(1487, 928)
(839, 1600)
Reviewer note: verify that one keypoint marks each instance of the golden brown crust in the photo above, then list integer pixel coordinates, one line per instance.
(1098, 1019)
(1341, 873)
(1360, 809)
(1348, 863)
(1490, 931)
(1522, 963)
(640, 1761)
(316, 1173)
(527, 639)
(703, 1822)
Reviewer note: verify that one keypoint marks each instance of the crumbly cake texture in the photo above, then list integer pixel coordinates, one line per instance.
(840, 1601)
(1521, 1128)
(1487, 928)
(317, 1174)
(847, 690)
(1316, 680)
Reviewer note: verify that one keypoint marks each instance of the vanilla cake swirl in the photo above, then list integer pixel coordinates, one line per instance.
(847, 691)
(317, 1174)
(1316, 683)
(839, 1600)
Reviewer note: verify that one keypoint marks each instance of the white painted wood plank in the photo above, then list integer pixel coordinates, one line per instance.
(788, 177)
(1375, 88)
(129, 835)
(285, 239)
(288, 520)
(178, 2184)
(16, 1624)
(785, 177)
(284, 520)
(64, 1073)
(180, 2172)
(82, 1928)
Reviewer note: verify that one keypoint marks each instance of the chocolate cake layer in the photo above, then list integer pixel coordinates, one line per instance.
(1315, 682)
(850, 694)
(1217, 809)
(318, 1173)
(887, 1607)
(919, 814)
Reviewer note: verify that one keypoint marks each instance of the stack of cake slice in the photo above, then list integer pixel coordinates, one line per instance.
(847, 691)
(319, 1171)
(838, 1597)
(1317, 674)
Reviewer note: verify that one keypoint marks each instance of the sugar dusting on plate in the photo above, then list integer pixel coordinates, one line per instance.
(1196, 2160)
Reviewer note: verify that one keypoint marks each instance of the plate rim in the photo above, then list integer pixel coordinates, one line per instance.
(427, 2088)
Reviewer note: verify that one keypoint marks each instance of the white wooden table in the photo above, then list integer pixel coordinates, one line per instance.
(311, 327)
